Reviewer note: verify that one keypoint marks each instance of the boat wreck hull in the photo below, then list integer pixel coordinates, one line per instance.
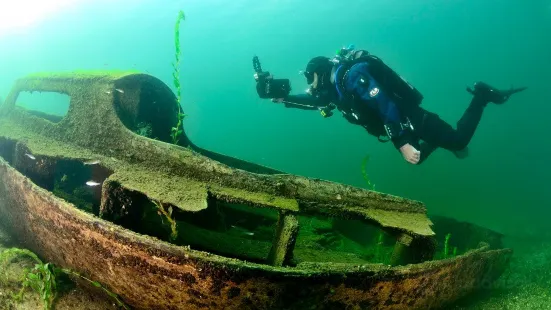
(152, 274)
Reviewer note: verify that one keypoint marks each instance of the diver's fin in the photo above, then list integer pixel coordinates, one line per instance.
(492, 94)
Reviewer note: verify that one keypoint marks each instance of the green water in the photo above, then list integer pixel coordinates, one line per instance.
(439, 46)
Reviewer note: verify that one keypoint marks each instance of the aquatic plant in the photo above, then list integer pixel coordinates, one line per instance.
(370, 185)
(80, 196)
(177, 131)
(167, 213)
(379, 246)
(116, 297)
(144, 129)
(43, 277)
(446, 245)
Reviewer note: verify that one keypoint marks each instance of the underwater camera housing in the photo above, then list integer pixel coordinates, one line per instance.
(267, 86)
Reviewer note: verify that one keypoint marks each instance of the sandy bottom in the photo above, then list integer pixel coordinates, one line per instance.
(525, 286)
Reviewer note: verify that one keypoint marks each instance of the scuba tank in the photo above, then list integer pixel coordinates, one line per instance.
(391, 82)
(394, 85)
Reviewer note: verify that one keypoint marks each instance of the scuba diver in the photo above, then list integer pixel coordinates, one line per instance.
(369, 93)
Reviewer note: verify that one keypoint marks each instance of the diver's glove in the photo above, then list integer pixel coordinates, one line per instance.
(488, 93)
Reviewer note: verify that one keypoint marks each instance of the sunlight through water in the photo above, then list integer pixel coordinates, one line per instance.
(18, 15)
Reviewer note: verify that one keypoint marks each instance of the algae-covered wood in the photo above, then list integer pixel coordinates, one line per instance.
(104, 106)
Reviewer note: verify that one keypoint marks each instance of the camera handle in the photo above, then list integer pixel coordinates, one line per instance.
(256, 65)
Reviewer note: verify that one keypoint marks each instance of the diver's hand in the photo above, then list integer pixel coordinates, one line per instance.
(410, 154)
(277, 100)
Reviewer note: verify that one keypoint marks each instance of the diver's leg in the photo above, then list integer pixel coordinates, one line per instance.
(437, 133)
(467, 124)
(418, 117)
(426, 149)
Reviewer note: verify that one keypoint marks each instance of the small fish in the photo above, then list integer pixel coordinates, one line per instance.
(92, 183)
(170, 210)
(242, 230)
(64, 178)
(119, 90)
(108, 92)
(92, 162)
(30, 156)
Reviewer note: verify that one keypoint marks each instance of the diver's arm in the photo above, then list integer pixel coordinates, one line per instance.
(405, 137)
(302, 101)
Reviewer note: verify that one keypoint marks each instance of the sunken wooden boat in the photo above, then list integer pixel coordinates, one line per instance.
(179, 227)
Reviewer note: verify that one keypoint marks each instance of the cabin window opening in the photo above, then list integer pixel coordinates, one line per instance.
(51, 106)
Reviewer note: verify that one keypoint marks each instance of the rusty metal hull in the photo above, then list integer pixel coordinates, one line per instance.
(151, 274)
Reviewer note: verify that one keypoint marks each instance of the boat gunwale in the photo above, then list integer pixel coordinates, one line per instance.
(109, 230)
